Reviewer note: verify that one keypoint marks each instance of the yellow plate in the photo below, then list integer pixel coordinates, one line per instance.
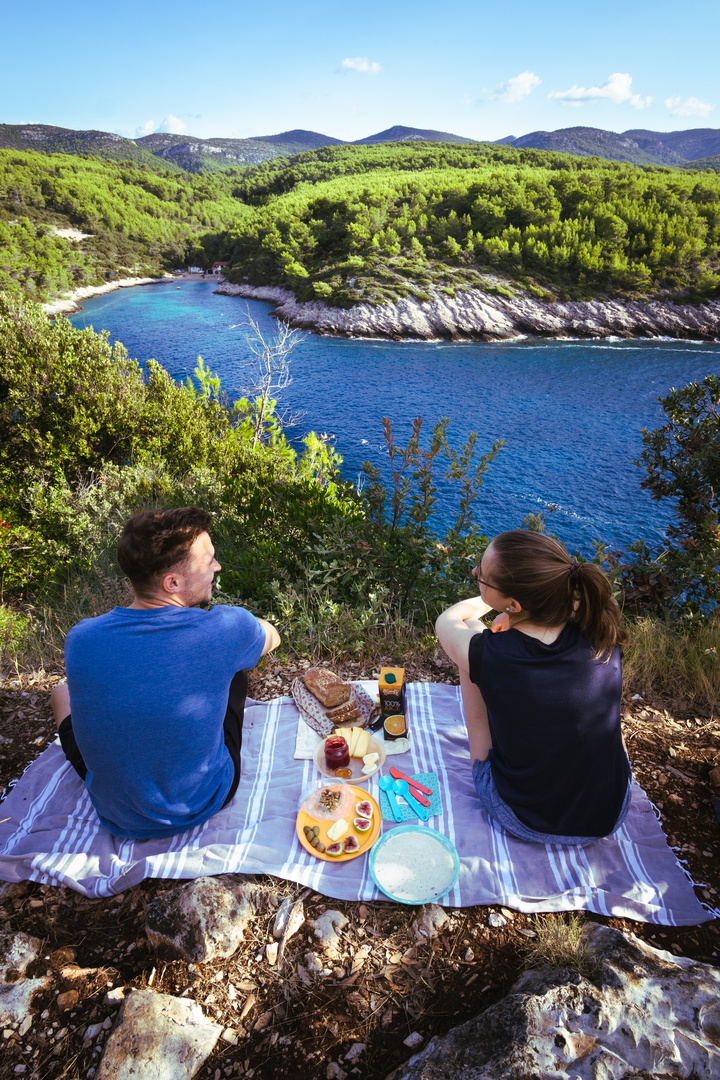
(375, 746)
(366, 839)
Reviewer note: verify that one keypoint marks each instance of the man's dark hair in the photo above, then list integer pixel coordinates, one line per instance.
(155, 541)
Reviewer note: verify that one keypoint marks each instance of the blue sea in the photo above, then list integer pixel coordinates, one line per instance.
(570, 412)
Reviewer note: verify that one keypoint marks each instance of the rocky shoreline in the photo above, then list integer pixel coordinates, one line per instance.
(473, 314)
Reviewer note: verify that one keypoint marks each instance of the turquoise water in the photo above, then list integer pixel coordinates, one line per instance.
(570, 412)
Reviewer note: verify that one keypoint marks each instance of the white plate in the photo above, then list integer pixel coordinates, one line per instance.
(375, 746)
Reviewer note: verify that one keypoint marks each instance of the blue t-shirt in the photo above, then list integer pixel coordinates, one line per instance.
(148, 695)
(557, 755)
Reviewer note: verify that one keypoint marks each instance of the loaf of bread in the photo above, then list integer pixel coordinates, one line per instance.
(342, 713)
(327, 687)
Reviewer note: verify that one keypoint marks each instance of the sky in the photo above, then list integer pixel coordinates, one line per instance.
(231, 69)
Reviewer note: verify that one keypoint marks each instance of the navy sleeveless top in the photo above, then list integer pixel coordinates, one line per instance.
(557, 755)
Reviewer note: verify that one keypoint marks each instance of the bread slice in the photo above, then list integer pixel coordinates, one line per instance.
(327, 687)
(342, 713)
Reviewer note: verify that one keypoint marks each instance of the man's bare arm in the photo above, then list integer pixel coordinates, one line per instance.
(272, 638)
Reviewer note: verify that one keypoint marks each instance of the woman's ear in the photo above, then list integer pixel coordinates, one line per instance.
(513, 607)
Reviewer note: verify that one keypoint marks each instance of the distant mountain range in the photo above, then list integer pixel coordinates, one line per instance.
(697, 148)
(637, 146)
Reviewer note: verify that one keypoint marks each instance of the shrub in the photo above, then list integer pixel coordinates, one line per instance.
(682, 462)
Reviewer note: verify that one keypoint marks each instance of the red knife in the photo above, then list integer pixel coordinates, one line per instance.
(414, 784)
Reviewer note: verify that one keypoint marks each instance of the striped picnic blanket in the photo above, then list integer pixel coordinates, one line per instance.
(53, 835)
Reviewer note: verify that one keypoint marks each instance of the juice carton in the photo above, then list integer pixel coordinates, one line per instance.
(391, 688)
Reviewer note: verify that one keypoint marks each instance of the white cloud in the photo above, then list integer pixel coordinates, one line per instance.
(361, 64)
(616, 89)
(691, 106)
(517, 88)
(171, 125)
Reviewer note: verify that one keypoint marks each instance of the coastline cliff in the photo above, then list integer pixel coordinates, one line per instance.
(473, 314)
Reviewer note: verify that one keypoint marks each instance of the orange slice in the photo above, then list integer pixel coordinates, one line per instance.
(395, 725)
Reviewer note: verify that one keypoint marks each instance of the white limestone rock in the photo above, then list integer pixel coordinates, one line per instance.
(472, 313)
(646, 1011)
(17, 952)
(158, 1037)
(430, 922)
(202, 920)
(327, 930)
(16, 999)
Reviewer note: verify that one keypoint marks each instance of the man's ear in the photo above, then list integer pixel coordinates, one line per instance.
(171, 582)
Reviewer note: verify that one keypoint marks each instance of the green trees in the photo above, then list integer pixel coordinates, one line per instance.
(682, 462)
(418, 213)
(413, 214)
(136, 221)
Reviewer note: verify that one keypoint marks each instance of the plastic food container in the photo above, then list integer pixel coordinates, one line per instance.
(414, 865)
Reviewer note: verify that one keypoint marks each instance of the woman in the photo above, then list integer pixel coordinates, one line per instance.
(542, 690)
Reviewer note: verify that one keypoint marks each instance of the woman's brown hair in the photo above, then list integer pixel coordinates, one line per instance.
(537, 571)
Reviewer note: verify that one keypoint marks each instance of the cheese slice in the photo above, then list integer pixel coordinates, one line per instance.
(353, 741)
(344, 732)
(337, 830)
(363, 743)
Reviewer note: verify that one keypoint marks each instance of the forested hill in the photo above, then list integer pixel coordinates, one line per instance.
(135, 221)
(370, 223)
(374, 223)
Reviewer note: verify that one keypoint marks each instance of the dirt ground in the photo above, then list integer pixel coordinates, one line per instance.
(385, 989)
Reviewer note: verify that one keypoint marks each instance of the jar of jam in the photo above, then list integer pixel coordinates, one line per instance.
(337, 752)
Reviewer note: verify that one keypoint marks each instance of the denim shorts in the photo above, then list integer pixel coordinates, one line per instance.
(499, 811)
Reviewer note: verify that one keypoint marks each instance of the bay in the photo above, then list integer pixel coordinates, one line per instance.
(570, 412)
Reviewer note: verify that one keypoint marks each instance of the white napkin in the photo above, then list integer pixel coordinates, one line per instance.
(306, 740)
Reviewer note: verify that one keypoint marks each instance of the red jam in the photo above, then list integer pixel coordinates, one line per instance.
(337, 752)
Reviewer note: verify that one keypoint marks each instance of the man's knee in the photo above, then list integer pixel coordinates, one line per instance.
(60, 703)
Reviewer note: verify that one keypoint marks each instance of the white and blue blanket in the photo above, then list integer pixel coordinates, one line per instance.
(52, 834)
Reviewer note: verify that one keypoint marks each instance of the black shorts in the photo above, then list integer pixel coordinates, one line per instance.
(232, 733)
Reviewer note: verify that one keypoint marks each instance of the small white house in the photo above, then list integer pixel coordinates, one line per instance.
(218, 268)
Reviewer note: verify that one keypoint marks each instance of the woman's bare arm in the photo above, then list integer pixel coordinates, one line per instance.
(456, 626)
(455, 629)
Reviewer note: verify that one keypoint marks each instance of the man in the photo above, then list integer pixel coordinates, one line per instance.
(158, 689)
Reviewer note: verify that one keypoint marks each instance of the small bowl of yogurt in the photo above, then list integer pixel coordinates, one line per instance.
(414, 865)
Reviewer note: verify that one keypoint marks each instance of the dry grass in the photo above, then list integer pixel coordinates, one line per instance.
(560, 944)
(678, 664)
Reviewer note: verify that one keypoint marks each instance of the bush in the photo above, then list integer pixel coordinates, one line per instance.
(682, 462)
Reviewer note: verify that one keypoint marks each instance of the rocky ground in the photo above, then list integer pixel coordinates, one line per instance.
(389, 989)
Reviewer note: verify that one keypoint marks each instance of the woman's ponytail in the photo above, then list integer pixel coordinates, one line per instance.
(596, 612)
(537, 571)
